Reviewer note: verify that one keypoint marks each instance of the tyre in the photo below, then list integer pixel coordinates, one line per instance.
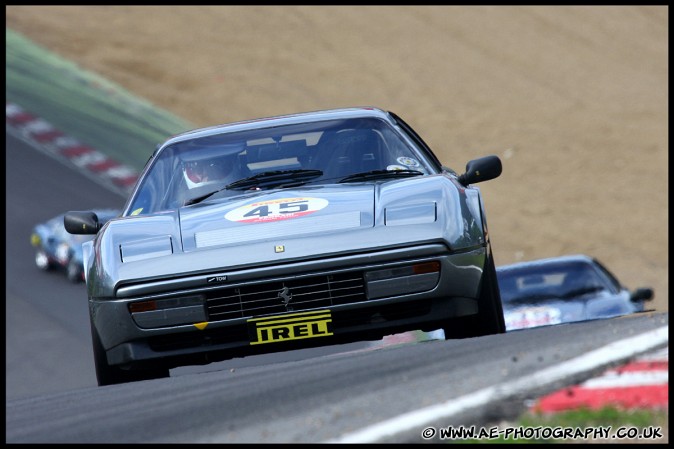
(74, 271)
(489, 319)
(110, 375)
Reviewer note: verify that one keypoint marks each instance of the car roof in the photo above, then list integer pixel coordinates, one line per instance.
(571, 258)
(302, 117)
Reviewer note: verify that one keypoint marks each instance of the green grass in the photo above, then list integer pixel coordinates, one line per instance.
(84, 105)
(606, 416)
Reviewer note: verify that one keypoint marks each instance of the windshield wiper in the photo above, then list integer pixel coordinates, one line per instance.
(276, 178)
(381, 174)
(198, 199)
(532, 298)
(582, 291)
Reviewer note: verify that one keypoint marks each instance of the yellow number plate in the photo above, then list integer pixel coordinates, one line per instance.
(292, 326)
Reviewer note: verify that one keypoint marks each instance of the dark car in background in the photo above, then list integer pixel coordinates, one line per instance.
(564, 289)
(285, 232)
(58, 250)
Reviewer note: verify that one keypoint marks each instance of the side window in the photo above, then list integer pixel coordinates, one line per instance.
(400, 155)
(611, 280)
(156, 187)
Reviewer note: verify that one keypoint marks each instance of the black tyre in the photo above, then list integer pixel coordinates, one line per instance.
(489, 319)
(110, 375)
(74, 271)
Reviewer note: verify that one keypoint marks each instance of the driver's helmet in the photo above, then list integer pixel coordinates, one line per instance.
(202, 172)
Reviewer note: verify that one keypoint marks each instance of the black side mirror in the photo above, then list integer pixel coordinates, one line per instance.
(81, 222)
(642, 294)
(482, 169)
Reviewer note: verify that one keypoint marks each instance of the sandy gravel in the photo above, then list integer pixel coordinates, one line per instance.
(573, 99)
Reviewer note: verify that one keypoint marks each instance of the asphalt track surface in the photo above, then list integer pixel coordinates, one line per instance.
(47, 340)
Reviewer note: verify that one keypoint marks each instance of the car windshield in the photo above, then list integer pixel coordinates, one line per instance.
(554, 282)
(324, 152)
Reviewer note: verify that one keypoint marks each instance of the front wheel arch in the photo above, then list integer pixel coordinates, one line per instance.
(110, 375)
(489, 320)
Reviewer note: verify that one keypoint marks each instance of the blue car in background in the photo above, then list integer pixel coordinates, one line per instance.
(562, 290)
(57, 250)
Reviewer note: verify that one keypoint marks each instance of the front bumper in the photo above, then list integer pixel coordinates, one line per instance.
(367, 311)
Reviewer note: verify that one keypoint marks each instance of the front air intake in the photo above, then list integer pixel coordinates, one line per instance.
(284, 296)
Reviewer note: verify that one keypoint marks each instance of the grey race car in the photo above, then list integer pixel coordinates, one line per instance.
(286, 232)
(58, 250)
(564, 289)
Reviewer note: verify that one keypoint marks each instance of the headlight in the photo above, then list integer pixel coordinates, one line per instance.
(169, 312)
(403, 280)
(409, 215)
(146, 249)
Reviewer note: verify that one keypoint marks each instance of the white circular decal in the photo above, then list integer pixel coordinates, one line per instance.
(408, 161)
(274, 210)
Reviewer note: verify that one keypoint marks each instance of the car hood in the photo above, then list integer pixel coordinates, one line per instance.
(286, 225)
(276, 216)
(542, 313)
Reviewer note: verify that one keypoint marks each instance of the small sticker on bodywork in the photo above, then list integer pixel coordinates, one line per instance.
(408, 161)
(274, 210)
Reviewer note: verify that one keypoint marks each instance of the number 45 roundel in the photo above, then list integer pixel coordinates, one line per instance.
(273, 210)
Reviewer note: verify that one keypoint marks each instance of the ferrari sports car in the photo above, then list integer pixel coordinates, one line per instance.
(286, 232)
(563, 290)
(56, 249)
